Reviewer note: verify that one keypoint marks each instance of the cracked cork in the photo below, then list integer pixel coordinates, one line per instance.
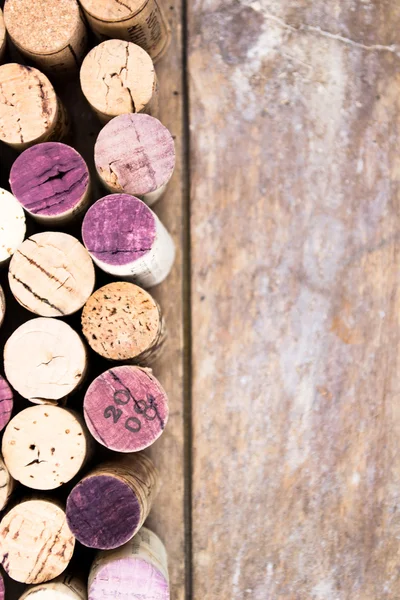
(142, 22)
(118, 77)
(35, 540)
(45, 446)
(52, 183)
(126, 239)
(135, 154)
(64, 587)
(122, 322)
(55, 39)
(29, 109)
(140, 565)
(51, 274)
(108, 506)
(45, 360)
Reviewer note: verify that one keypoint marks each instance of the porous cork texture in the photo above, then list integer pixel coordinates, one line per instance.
(135, 154)
(142, 22)
(36, 543)
(51, 274)
(50, 32)
(64, 587)
(29, 109)
(121, 321)
(51, 181)
(108, 506)
(6, 485)
(118, 77)
(45, 360)
(45, 446)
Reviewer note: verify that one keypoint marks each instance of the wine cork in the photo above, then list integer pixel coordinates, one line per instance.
(126, 409)
(45, 360)
(35, 540)
(136, 571)
(12, 227)
(30, 111)
(142, 22)
(3, 42)
(6, 403)
(51, 33)
(125, 238)
(51, 274)
(123, 322)
(7, 485)
(108, 506)
(64, 587)
(135, 154)
(2, 306)
(2, 588)
(118, 77)
(45, 446)
(52, 183)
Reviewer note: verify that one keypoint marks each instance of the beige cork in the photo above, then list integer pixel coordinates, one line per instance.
(51, 274)
(65, 587)
(36, 543)
(3, 36)
(45, 446)
(2, 306)
(142, 22)
(30, 111)
(12, 226)
(45, 360)
(108, 506)
(122, 322)
(118, 77)
(7, 485)
(51, 33)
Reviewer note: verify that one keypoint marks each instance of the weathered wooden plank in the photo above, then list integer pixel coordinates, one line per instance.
(295, 121)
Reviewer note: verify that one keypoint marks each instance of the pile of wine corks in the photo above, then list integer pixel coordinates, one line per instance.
(79, 401)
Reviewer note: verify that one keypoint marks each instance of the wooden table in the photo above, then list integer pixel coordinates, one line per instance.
(281, 460)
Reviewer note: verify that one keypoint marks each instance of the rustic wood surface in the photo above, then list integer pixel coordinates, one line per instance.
(295, 122)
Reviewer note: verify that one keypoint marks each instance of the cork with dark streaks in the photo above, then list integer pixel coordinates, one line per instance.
(6, 402)
(126, 409)
(142, 22)
(36, 543)
(51, 274)
(135, 154)
(50, 33)
(7, 484)
(108, 506)
(118, 77)
(122, 322)
(51, 181)
(29, 110)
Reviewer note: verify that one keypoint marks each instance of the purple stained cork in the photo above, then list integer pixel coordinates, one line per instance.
(108, 506)
(51, 181)
(6, 402)
(135, 154)
(118, 229)
(2, 590)
(126, 409)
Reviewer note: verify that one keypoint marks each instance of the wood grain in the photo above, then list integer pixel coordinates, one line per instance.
(295, 299)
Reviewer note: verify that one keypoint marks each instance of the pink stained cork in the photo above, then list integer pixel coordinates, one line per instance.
(2, 588)
(135, 154)
(126, 409)
(136, 571)
(6, 402)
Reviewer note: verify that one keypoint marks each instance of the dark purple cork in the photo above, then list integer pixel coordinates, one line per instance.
(6, 402)
(49, 179)
(118, 229)
(103, 512)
